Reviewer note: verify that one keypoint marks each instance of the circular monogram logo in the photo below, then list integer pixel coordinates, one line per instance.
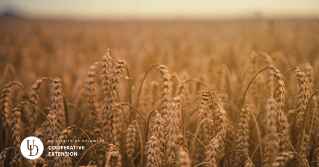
(32, 147)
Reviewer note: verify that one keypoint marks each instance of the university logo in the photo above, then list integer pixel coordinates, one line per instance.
(32, 147)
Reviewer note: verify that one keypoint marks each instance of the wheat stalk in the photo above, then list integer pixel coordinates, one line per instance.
(304, 144)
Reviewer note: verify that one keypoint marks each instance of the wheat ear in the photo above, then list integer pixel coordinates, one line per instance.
(130, 140)
(279, 91)
(271, 129)
(94, 114)
(113, 157)
(166, 89)
(270, 79)
(107, 72)
(5, 96)
(183, 158)
(16, 118)
(175, 113)
(206, 111)
(249, 162)
(3, 156)
(282, 159)
(55, 116)
(302, 98)
(158, 132)
(242, 136)
(310, 76)
(34, 94)
(153, 153)
(213, 151)
(282, 118)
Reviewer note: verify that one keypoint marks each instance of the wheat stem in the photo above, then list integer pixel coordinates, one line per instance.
(289, 71)
(139, 112)
(304, 120)
(258, 132)
(242, 101)
(196, 139)
(148, 122)
(142, 147)
(140, 89)
(132, 115)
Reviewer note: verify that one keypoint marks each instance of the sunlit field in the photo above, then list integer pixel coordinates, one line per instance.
(161, 93)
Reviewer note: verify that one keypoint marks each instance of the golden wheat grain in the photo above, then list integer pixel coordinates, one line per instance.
(249, 162)
(302, 98)
(242, 136)
(271, 129)
(113, 157)
(15, 124)
(310, 76)
(183, 158)
(130, 140)
(166, 89)
(175, 113)
(213, 151)
(5, 97)
(94, 113)
(107, 65)
(269, 77)
(282, 159)
(154, 153)
(158, 133)
(279, 91)
(3, 156)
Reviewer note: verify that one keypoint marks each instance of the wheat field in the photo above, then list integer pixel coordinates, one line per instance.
(161, 94)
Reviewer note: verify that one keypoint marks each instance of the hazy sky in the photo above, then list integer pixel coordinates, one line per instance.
(162, 9)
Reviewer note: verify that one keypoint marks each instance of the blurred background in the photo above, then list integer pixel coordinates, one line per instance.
(160, 10)
(40, 36)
